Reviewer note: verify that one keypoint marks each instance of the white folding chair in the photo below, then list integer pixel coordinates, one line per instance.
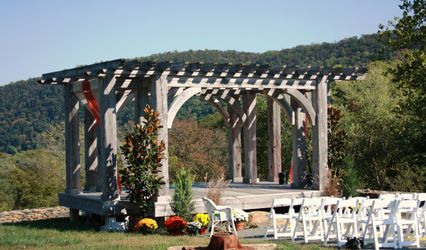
(311, 220)
(421, 213)
(344, 221)
(286, 220)
(328, 206)
(219, 214)
(379, 218)
(406, 223)
(363, 213)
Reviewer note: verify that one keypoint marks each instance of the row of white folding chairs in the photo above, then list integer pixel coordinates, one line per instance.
(310, 221)
(327, 217)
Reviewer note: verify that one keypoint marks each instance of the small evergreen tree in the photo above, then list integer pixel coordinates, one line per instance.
(182, 204)
(143, 153)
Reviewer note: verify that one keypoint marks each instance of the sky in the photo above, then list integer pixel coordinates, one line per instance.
(42, 36)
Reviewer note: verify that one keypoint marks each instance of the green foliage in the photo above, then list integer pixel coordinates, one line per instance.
(373, 128)
(28, 183)
(407, 37)
(201, 150)
(143, 153)
(350, 179)
(182, 204)
(26, 109)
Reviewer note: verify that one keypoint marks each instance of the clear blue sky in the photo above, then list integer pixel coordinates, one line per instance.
(48, 35)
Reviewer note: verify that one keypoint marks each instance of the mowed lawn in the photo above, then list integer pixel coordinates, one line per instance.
(61, 234)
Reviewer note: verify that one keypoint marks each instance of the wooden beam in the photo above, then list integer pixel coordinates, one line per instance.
(108, 138)
(91, 155)
(235, 171)
(178, 103)
(274, 139)
(249, 128)
(320, 136)
(298, 147)
(141, 100)
(159, 103)
(72, 144)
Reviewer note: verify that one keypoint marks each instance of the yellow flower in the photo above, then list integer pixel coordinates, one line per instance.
(146, 223)
(203, 219)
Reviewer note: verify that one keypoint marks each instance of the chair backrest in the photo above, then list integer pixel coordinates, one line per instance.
(296, 202)
(209, 205)
(407, 196)
(281, 202)
(421, 196)
(383, 208)
(311, 206)
(365, 208)
(386, 196)
(347, 207)
(328, 204)
(406, 207)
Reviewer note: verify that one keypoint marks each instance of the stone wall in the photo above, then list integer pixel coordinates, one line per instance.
(33, 214)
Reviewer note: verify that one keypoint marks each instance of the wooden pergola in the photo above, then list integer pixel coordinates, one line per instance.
(104, 88)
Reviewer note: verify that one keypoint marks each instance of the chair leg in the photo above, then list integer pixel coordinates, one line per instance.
(212, 229)
(305, 231)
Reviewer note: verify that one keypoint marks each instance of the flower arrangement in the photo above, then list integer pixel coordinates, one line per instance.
(175, 225)
(146, 225)
(239, 215)
(194, 227)
(203, 219)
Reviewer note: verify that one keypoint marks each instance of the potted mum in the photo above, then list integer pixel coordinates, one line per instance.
(204, 221)
(146, 226)
(239, 218)
(175, 225)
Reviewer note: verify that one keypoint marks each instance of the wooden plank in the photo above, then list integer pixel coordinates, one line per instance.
(81, 71)
(320, 136)
(274, 139)
(91, 131)
(249, 128)
(159, 103)
(72, 146)
(298, 147)
(235, 171)
(108, 138)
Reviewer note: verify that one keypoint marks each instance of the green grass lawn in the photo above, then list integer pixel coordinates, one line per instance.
(61, 234)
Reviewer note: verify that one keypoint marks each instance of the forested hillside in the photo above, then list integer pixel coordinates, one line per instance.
(27, 108)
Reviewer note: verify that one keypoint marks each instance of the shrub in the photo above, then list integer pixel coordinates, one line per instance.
(143, 153)
(182, 204)
(351, 180)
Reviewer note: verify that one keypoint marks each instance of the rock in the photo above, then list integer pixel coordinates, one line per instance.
(258, 218)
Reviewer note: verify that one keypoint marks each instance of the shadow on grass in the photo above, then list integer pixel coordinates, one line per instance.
(59, 224)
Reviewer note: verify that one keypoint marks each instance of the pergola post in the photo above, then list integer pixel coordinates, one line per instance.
(72, 144)
(320, 136)
(298, 147)
(274, 139)
(249, 128)
(234, 142)
(91, 153)
(108, 138)
(159, 103)
(141, 100)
